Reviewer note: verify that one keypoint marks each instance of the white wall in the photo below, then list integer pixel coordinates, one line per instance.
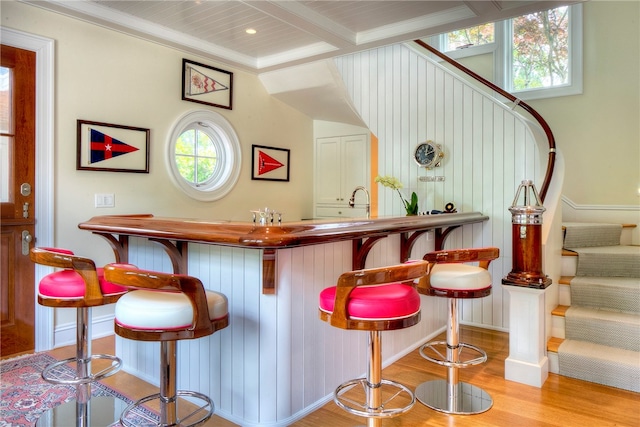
(102, 75)
(405, 98)
(404, 101)
(598, 130)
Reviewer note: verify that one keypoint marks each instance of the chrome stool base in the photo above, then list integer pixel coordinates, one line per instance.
(431, 352)
(390, 391)
(207, 407)
(461, 398)
(52, 375)
(99, 411)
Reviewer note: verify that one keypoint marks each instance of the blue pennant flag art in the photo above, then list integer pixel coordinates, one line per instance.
(104, 147)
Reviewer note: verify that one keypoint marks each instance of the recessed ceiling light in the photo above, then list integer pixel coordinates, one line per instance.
(250, 31)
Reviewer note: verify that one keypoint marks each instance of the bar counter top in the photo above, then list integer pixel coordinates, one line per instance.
(272, 236)
(277, 361)
(175, 234)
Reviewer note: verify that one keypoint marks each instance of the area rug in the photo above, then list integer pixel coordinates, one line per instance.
(24, 395)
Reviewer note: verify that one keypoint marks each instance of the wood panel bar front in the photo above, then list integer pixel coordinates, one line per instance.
(276, 362)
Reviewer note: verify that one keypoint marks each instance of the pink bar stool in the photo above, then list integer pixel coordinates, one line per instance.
(167, 308)
(374, 300)
(82, 286)
(450, 278)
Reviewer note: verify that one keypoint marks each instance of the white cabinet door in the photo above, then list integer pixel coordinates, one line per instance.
(328, 176)
(342, 164)
(354, 164)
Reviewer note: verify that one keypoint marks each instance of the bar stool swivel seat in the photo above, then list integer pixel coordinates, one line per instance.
(78, 285)
(449, 277)
(374, 300)
(167, 308)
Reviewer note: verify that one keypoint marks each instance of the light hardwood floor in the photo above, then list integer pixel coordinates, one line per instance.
(561, 401)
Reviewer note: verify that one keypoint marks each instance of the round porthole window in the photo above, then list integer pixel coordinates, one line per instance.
(204, 155)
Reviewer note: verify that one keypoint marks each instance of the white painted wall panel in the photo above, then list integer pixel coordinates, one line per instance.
(276, 361)
(489, 150)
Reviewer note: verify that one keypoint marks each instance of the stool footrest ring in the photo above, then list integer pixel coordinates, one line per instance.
(440, 358)
(390, 391)
(55, 375)
(207, 406)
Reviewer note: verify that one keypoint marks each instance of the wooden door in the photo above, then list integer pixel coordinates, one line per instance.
(17, 178)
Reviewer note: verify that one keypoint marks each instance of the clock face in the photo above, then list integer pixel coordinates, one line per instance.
(427, 154)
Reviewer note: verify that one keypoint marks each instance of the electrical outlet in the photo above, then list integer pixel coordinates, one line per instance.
(431, 178)
(105, 200)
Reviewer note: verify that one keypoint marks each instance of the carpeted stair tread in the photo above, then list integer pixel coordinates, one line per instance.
(584, 234)
(609, 293)
(605, 327)
(609, 261)
(600, 364)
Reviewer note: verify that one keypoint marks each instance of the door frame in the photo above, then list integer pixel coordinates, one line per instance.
(44, 186)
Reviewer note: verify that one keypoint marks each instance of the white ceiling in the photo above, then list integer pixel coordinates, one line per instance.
(288, 32)
(295, 38)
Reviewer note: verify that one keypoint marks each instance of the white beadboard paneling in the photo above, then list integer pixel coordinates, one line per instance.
(489, 150)
(276, 361)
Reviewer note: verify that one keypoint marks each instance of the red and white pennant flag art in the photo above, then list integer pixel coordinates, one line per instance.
(266, 163)
(104, 147)
(201, 83)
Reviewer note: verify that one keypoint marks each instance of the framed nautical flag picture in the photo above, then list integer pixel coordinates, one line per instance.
(269, 163)
(112, 148)
(206, 85)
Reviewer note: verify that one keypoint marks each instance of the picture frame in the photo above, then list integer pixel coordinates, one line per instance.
(207, 85)
(269, 163)
(112, 148)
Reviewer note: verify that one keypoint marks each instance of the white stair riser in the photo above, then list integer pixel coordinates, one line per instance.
(569, 266)
(564, 295)
(554, 365)
(557, 327)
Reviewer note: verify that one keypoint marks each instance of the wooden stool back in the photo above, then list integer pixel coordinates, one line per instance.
(85, 267)
(192, 287)
(408, 273)
(483, 256)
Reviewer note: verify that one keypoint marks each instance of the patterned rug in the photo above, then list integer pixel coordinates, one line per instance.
(25, 396)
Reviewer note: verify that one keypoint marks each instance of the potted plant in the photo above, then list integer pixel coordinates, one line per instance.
(410, 206)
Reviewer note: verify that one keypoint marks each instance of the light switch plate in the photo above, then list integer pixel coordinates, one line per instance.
(105, 200)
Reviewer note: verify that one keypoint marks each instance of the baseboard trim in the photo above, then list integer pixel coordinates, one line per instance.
(65, 334)
(599, 207)
(533, 374)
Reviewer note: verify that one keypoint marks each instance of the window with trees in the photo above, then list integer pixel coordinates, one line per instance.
(480, 35)
(204, 155)
(536, 55)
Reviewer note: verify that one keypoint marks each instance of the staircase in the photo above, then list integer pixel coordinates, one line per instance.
(596, 327)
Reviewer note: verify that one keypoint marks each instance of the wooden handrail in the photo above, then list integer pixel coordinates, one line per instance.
(547, 130)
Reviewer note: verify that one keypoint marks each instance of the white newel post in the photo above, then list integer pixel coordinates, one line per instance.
(527, 362)
(526, 283)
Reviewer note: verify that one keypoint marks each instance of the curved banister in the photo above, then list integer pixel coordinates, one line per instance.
(518, 102)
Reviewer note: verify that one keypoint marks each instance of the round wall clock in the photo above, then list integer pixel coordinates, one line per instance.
(428, 154)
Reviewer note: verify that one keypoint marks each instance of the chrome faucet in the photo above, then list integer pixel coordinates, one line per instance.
(352, 200)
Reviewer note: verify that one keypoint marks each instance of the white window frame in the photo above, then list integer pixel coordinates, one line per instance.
(228, 150)
(504, 69)
(502, 50)
(440, 41)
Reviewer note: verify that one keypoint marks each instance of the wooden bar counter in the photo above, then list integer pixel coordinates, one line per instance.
(276, 362)
(174, 233)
